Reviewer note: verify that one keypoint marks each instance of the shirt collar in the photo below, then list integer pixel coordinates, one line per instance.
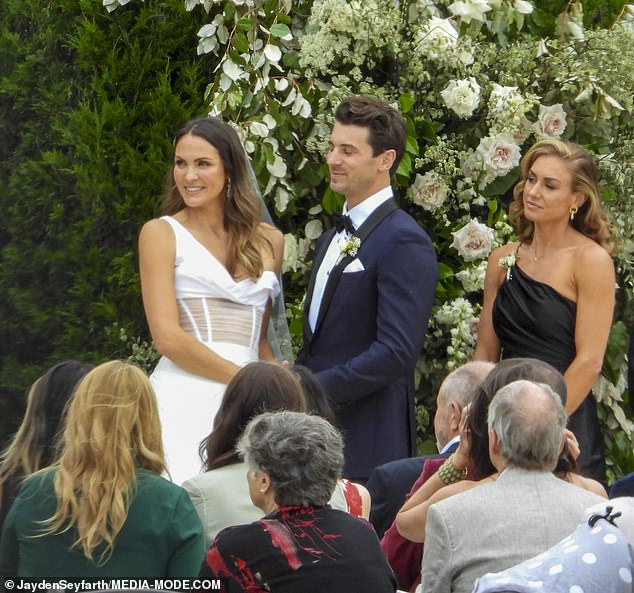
(450, 444)
(360, 212)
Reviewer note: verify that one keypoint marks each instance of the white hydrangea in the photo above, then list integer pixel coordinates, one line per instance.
(506, 109)
(472, 278)
(470, 10)
(462, 96)
(462, 319)
(499, 154)
(428, 191)
(551, 121)
(473, 241)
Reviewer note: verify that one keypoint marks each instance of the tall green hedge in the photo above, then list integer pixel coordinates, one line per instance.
(88, 103)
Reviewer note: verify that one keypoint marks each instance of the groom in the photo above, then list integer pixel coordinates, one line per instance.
(370, 293)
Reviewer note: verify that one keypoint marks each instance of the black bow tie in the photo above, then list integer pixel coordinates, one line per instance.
(342, 222)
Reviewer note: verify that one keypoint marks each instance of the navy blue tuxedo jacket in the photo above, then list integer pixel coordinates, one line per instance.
(368, 336)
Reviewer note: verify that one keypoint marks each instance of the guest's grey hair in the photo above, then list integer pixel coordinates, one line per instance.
(529, 420)
(462, 384)
(302, 454)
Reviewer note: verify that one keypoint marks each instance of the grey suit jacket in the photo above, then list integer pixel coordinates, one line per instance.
(497, 525)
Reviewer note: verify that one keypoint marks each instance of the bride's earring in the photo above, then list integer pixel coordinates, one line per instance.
(229, 189)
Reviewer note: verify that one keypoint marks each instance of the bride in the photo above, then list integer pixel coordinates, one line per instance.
(209, 272)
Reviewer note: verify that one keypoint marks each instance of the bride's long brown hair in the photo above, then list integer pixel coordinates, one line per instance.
(242, 209)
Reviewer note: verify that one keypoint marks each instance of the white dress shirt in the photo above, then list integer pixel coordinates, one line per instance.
(358, 216)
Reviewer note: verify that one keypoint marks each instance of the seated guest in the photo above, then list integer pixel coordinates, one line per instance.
(103, 509)
(301, 544)
(595, 558)
(525, 511)
(389, 483)
(623, 486)
(403, 549)
(35, 443)
(348, 496)
(221, 494)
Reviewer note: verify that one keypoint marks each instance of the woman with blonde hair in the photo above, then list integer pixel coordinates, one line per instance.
(103, 510)
(209, 273)
(550, 296)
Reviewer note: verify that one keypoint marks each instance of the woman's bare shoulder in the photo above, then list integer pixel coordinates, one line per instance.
(499, 252)
(589, 252)
(156, 228)
(268, 230)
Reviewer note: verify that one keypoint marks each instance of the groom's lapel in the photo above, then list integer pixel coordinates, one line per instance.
(320, 253)
(335, 274)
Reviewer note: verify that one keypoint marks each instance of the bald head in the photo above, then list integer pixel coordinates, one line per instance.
(529, 420)
(456, 391)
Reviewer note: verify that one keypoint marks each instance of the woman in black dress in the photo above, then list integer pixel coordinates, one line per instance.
(550, 296)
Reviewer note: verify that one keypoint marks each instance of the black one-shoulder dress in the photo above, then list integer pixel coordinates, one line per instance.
(531, 319)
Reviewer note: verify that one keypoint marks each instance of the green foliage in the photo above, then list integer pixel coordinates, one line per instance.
(87, 105)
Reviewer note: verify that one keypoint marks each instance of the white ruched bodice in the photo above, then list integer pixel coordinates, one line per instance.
(213, 306)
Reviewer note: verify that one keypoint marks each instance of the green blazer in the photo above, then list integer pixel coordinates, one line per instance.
(162, 536)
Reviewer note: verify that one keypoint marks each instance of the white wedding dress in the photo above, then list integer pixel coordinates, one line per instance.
(225, 315)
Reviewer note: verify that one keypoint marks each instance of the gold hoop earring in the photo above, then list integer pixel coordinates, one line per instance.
(573, 210)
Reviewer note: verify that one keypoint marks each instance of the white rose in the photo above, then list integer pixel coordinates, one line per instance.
(473, 241)
(428, 191)
(462, 96)
(437, 36)
(551, 121)
(471, 10)
(499, 153)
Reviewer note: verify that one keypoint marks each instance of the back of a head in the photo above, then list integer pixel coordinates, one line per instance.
(386, 125)
(504, 373)
(529, 420)
(255, 388)
(461, 385)
(35, 443)
(315, 394)
(112, 429)
(301, 453)
(113, 418)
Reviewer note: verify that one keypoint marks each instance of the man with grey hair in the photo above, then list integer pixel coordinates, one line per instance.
(390, 482)
(523, 512)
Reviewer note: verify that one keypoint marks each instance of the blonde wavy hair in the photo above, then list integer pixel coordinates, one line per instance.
(112, 428)
(590, 219)
(242, 211)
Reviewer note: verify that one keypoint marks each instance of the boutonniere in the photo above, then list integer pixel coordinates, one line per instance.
(350, 245)
(508, 261)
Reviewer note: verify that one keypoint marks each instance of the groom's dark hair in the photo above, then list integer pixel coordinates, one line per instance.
(385, 123)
